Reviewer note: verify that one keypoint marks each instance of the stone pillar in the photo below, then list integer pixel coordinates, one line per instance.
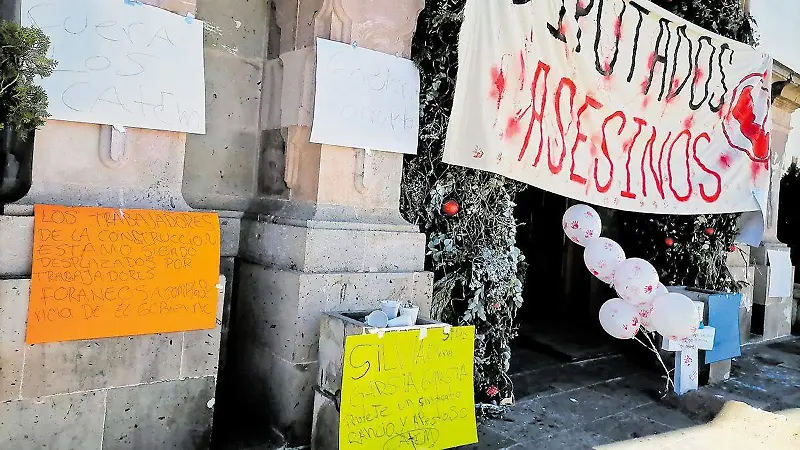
(337, 240)
(776, 312)
(221, 167)
(149, 391)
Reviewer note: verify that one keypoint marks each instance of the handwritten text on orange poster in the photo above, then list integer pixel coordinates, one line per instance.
(101, 272)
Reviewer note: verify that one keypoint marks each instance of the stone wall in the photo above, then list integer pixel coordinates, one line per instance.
(773, 316)
(324, 231)
(150, 391)
(140, 392)
(223, 167)
(320, 225)
(743, 271)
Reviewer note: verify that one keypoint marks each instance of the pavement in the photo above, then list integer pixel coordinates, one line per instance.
(613, 399)
(617, 398)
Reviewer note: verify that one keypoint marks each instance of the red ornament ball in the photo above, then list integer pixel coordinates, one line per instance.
(733, 248)
(450, 208)
(669, 242)
(710, 231)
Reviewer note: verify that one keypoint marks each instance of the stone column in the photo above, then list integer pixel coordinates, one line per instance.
(336, 240)
(148, 391)
(776, 312)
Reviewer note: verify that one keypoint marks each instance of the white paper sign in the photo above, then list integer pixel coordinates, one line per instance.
(780, 273)
(686, 366)
(703, 339)
(365, 99)
(122, 63)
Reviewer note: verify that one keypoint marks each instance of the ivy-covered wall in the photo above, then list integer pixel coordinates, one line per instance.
(478, 269)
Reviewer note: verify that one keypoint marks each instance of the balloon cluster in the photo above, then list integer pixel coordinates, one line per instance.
(643, 301)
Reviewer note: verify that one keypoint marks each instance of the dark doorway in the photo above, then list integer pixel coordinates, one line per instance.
(561, 298)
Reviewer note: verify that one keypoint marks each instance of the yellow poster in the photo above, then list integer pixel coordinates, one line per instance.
(406, 390)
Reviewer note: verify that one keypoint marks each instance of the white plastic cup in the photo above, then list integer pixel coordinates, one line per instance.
(400, 321)
(390, 307)
(412, 312)
(377, 319)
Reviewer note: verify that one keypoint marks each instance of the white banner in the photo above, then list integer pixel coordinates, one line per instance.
(122, 63)
(611, 102)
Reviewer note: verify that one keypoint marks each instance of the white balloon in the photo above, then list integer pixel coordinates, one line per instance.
(619, 319)
(636, 281)
(581, 223)
(675, 316)
(634, 267)
(602, 256)
(644, 315)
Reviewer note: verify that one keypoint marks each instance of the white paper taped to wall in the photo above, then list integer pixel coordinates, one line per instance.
(780, 273)
(122, 63)
(365, 99)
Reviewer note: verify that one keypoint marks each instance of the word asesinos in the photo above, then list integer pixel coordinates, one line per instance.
(563, 148)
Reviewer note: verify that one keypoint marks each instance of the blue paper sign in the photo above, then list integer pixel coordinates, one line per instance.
(723, 315)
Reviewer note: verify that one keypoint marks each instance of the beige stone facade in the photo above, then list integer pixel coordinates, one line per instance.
(327, 232)
(775, 315)
(306, 228)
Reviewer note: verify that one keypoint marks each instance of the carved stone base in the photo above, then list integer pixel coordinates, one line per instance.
(77, 164)
(275, 329)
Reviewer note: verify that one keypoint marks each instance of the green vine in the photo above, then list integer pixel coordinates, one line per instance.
(478, 269)
(23, 50)
(686, 250)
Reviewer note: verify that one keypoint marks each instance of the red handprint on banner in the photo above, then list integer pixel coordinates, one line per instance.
(741, 126)
(754, 132)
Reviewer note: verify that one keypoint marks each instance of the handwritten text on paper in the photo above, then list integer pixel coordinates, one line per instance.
(119, 64)
(100, 272)
(403, 392)
(365, 99)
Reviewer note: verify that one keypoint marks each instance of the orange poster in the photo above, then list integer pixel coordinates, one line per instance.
(102, 272)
